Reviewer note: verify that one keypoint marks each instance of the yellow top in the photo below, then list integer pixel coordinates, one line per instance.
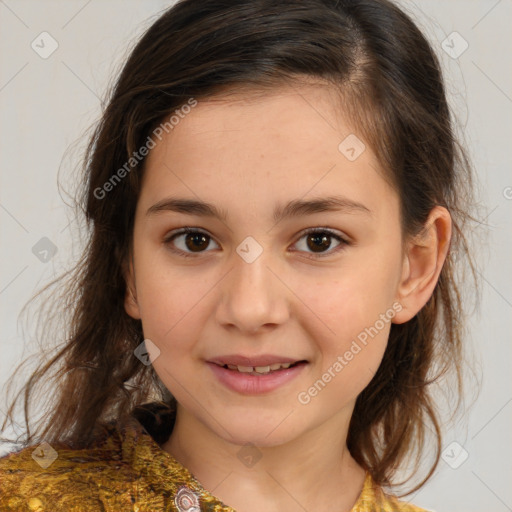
(126, 471)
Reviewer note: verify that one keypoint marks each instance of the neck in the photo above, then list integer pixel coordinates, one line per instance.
(313, 471)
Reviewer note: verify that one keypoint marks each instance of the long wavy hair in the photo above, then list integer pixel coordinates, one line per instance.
(391, 88)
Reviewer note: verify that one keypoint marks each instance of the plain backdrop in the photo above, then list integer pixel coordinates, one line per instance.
(48, 101)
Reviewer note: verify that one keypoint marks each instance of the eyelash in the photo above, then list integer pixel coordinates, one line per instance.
(187, 230)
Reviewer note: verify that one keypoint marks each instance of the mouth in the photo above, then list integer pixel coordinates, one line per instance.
(264, 375)
(261, 370)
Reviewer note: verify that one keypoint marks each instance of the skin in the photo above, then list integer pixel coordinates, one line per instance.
(246, 155)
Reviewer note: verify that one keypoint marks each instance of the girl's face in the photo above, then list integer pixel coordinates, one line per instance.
(254, 286)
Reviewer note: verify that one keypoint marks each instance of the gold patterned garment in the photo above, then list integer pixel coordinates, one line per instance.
(126, 471)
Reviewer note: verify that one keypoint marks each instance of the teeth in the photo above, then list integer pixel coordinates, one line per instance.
(259, 369)
(262, 369)
(245, 369)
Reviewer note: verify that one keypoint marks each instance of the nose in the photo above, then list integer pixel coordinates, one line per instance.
(253, 296)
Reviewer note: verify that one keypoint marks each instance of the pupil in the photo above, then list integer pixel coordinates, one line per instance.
(323, 239)
(197, 239)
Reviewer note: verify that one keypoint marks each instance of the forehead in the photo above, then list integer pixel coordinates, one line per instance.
(270, 147)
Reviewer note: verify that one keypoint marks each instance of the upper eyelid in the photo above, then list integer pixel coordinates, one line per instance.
(320, 229)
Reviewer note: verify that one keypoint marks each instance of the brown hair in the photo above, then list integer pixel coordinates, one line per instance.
(391, 87)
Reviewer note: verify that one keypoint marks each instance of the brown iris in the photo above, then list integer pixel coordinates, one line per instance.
(323, 239)
(196, 241)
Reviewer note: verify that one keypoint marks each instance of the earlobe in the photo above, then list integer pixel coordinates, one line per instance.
(130, 305)
(423, 262)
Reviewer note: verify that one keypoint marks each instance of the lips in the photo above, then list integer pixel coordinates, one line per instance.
(256, 380)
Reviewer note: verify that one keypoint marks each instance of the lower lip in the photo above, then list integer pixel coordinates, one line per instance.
(248, 384)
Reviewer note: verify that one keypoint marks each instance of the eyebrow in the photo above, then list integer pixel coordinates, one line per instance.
(294, 208)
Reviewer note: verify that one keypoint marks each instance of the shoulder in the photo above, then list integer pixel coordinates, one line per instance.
(47, 477)
(392, 504)
(128, 470)
(374, 499)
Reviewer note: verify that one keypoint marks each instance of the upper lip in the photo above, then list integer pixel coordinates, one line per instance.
(262, 360)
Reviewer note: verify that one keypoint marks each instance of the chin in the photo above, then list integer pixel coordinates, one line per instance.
(254, 430)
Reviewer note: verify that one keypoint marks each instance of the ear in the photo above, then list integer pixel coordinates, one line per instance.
(423, 262)
(130, 300)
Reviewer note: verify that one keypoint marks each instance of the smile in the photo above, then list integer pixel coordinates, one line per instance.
(258, 370)
(255, 380)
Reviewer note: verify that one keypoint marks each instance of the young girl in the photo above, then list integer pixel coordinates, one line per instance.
(274, 194)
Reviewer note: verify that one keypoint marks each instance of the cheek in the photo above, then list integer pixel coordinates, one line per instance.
(173, 303)
(351, 322)
(173, 317)
(347, 301)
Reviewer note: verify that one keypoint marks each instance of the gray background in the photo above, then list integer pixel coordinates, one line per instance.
(46, 104)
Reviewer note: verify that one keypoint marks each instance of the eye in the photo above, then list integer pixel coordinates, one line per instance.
(320, 238)
(194, 241)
